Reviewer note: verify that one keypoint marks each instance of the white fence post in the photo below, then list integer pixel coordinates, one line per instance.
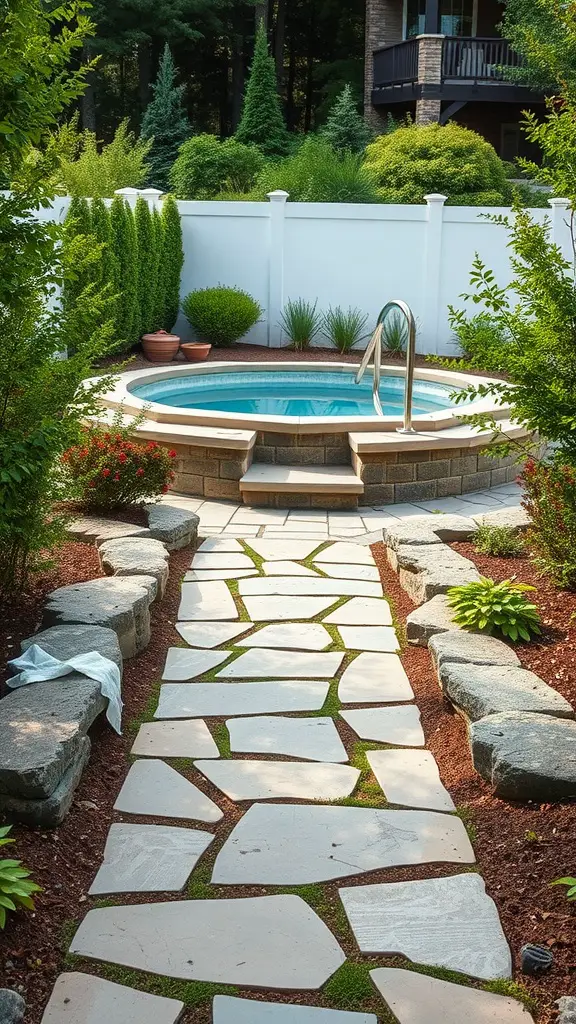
(432, 269)
(562, 227)
(276, 266)
(129, 194)
(152, 197)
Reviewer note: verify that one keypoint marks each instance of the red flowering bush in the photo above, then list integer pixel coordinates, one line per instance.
(109, 469)
(550, 500)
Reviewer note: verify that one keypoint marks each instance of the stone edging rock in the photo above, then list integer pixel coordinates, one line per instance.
(174, 527)
(521, 731)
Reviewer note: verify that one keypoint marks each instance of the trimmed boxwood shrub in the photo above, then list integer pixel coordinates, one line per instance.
(221, 315)
(205, 166)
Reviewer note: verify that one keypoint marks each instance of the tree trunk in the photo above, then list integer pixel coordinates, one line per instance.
(279, 34)
(88, 103)
(237, 80)
(290, 111)
(261, 14)
(144, 74)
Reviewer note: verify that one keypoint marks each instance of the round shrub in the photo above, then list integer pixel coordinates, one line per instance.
(420, 159)
(109, 469)
(205, 166)
(221, 315)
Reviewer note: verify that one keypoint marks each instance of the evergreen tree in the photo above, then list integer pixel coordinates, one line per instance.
(144, 245)
(78, 222)
(101, 229)
(345, 129)
(165, 121)
(156, 275)
(126, 282)
(172, 261)
(262, 123)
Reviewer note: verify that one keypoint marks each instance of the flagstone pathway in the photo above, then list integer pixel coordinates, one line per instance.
(274, 656)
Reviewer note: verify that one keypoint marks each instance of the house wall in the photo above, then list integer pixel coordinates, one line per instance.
(383, 26)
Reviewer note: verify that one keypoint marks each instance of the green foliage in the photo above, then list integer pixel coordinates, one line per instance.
(206, 167)
(544, 33)
(395, 332)
(345, 129)
(16, 889)
(171, 263)
(78, 222)
(125, 283)
(156, 280)
(416, 160)
(499, 541)
(102, 233)
(108, 469)
(262, 123)
(495, 607)
(316, 173)
(221, 315)
(300, 322)
(97, 171)
(481, 340)
(571, 883)
(550, 500)
(344, 327)
(144, 248)
(165, 122)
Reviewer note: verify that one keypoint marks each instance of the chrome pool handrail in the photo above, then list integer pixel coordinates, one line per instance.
(374, 348)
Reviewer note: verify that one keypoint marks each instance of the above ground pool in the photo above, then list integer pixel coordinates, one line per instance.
(292, 393)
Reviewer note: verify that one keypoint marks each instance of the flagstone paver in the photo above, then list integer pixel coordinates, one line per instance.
(274, 942)
(282, 609)
(361, 611)
(221, 544)
(84, 999)
(374, 678)
(211, 634)
(275, 550)
(175, 739)
(265, 664)
(149, 858)
(410, 778)
(287, 568)
(182, 663)
(399, 726)
(418, 999)
(306, 586)
(280, 780)
(229, 1010)
(350, 572)
(369, 638)
(344, 552)
(314, 739)
(304, 636)
(201, 575)
(212, 700)
(445, 922)
(210, 600)
(282, 844)
(154, 789)
(221, 560)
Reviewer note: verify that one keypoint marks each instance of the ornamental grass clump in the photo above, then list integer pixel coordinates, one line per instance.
(344, 327)
(221, 315)
(300, 322)
(108, 469)
(492, 607)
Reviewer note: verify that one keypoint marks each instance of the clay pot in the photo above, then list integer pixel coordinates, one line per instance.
(160, 347)
(196, 351)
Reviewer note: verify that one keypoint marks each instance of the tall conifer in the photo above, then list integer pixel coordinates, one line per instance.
(165, 121)
(262, 123)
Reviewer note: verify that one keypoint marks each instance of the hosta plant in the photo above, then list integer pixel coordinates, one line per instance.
(570, 882)
(495, 608)
(16, 889)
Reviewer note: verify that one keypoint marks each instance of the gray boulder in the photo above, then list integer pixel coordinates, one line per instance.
(566, 1008)
(12, 1007)
(136, 556)
(121, 603)
(513, 516)
(428, 569)
(175, 527)
(480, 690)
(432, 618)
(64, 642)
(526, 756)
(432, 529)
(52, 810)
(464, 648)
(94, 530)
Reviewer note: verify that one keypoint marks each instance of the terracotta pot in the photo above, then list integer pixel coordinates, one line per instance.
(196, 351)
(160, 347)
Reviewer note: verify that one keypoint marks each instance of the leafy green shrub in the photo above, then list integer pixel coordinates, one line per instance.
(344, 327)
(495, 607)
(420, 159)
(108, 469)
(221, 315)
(571, 883)
(262, 123)
(499, 541)
(300, 322)
(205, 167)
(345, 129)
(97, 171)
(16, 889)
(316, 173)
(395, 332)
(550, 500)
(481, 340)
(171, 263)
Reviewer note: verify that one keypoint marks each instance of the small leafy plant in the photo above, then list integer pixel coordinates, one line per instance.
(301, 322)
(344, 327)
(571, 883)
(221, 315)
(499, 541)
(395, 332)
(16, 889)
(550, 500)
(495, 607)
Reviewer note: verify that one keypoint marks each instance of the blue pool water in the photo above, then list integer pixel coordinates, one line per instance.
(281, 393)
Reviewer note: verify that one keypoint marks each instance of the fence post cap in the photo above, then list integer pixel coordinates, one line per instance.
(564, 203)
(279, 196)
(151, 192)
(126, 191)
(435, 197)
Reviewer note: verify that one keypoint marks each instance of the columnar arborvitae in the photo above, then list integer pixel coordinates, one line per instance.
(126, 284)
(157, 282)
(172, 261)
(345, 129)
(145, 243)
(165, 121)
(102, 232)
(262, 123)
(78, 222)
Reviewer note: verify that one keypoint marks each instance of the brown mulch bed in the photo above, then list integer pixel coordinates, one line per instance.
(520, 848)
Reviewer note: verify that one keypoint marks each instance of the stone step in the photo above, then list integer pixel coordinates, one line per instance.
(262, 477)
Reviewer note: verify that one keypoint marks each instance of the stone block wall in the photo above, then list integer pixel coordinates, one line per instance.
(209, 472)
(383, 27)
(269, 499)
(302, 449)
(429, 75)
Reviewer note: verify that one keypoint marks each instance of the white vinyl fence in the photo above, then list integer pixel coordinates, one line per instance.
(345, 254)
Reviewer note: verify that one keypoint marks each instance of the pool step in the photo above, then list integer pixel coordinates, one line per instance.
(308, 486)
